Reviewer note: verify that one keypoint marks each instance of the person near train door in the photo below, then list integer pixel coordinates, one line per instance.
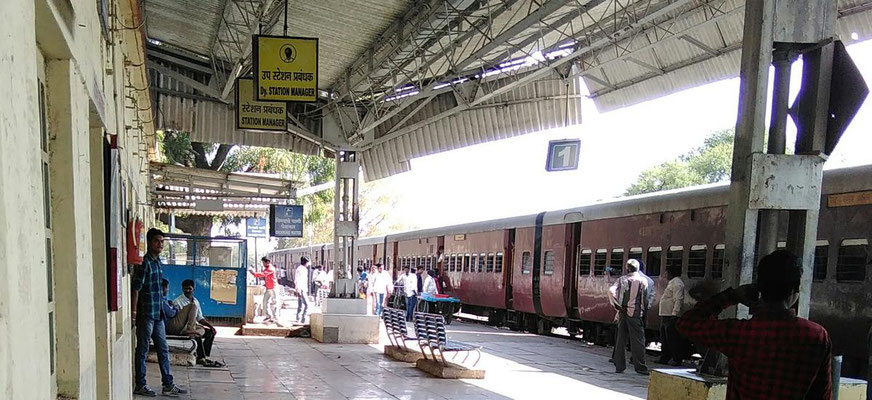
(671, 347)
(410, 286)
(775, 354)
(301, 284)
(628, 296)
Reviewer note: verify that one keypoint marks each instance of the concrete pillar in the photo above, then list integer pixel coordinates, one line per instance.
(71, 213)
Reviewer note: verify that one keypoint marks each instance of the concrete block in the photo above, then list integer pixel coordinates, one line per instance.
(667, 384)
(449, 370)
(344, 328)
(344, 306)
(403, 354)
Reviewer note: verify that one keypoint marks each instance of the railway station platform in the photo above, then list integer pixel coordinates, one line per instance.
(518, 365)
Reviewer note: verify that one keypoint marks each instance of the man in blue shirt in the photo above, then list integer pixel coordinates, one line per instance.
(148, 315)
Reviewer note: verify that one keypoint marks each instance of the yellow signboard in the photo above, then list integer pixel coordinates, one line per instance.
(286, 68)
(258, 115)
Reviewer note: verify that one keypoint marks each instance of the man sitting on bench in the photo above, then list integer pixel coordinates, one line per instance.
(188, 321)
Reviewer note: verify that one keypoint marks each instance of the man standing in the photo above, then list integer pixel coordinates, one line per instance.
(270, 282)
(301, 284)
(670, 309)
(190, 306)
(773, 355)
(147, 314)
(383, 286)
(410, 286)
(628, 295)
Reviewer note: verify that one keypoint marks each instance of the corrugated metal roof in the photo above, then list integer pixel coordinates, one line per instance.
(532, 108)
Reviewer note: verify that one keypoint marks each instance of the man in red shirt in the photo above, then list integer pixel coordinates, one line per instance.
(773, 355)
(270, 282)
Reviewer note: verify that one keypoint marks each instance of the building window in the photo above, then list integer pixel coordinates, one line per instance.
(655, 255)
(616, 261)
(490, 262)
(498, 266)
(46, 204)
(718, 262)
(674, 258)
(584, 258)
(599, 262)
(481, 261)
(549, 263)
(852, 260)
(526, 263)
(696, 262)
(821, 252)
(466, 261)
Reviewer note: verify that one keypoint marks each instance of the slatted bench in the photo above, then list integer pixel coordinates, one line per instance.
(430, 330)
(395, 325)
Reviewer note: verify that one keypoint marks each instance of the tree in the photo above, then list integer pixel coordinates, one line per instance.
(708, 163)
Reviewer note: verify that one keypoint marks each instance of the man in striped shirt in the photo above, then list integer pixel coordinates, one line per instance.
(629, 295)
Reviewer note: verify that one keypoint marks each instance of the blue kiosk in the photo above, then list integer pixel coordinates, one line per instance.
(217, 267)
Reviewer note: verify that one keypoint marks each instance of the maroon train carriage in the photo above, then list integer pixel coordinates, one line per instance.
(549, 270)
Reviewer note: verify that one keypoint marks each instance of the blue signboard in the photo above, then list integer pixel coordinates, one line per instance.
(285, 221)
(255, 227)
(563, 155)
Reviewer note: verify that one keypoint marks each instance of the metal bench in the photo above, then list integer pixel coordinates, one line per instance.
(430, 329)
(395, 326)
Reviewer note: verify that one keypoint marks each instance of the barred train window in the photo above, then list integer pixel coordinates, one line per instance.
(674, 257)
(599, 262)
(474, 263)
(481, 262)
(852, 260)
(696, 262)
(526, 263)
(616, 260)
(490, 262)
(718, 262)
(821, 251)
(498, 267)
(466, 263)
(584, 263)
(636, 254)
(549, 263)
(655, 255)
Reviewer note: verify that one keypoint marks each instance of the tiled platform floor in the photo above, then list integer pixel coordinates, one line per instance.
(518, 365)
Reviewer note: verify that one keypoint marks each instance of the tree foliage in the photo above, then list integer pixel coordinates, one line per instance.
(708, 163)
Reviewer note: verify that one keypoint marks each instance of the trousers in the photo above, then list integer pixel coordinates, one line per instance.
(630, 329)
(269, 310)
(302, 306)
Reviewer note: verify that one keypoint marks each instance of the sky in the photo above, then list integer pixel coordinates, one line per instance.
(508, 177)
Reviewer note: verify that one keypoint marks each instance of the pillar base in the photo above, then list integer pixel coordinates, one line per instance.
(344, 321)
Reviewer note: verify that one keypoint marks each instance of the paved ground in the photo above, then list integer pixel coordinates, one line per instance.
(518, 365)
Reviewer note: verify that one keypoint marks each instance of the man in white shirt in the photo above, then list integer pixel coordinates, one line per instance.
(382, 287)
(629, 296)
(670, 309)
(301, 285)
(410, 287)
(202, 327)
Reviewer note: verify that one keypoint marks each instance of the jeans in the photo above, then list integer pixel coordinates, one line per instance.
(302, 305)
(411, 302)
(380, 303)
(268, 295)
(152, 329)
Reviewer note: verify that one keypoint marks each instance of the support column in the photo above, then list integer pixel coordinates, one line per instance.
(346, 220)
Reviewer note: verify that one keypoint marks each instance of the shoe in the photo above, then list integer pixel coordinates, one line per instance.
(173, 390)
(619, 371)
(645, 372)
(144, 391)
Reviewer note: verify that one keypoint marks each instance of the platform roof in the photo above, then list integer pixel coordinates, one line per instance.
(404, 79)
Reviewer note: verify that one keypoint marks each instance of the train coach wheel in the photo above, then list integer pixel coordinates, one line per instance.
(543, 326)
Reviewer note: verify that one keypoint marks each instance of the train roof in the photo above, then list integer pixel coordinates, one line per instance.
(841, 180)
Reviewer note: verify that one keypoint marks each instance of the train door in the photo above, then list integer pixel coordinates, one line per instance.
(570, 289)
(509, 246)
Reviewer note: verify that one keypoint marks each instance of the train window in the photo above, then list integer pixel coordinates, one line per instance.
(635, 254)
(466, 261)
(584, 263)
(490, 262)
(481, 261)
(429, 263)
(452, 263)
(599, 262)
(696, 261)
(616, 261)
(821, 251)
(718, 262)
(549, 263)
(474, 263)
(498, 265)
(852, 260)
(674, 258)
(526, 263)
(780, 245)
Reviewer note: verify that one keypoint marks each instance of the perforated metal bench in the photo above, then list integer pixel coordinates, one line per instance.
(430, 329)
(395, 326)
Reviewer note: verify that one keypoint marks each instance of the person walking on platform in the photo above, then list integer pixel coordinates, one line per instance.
(628, 296)
(671, 347)
(775, 354)
(383, 287)
(270, 283)
(301, 284)
(410, 286)
(148, 316)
